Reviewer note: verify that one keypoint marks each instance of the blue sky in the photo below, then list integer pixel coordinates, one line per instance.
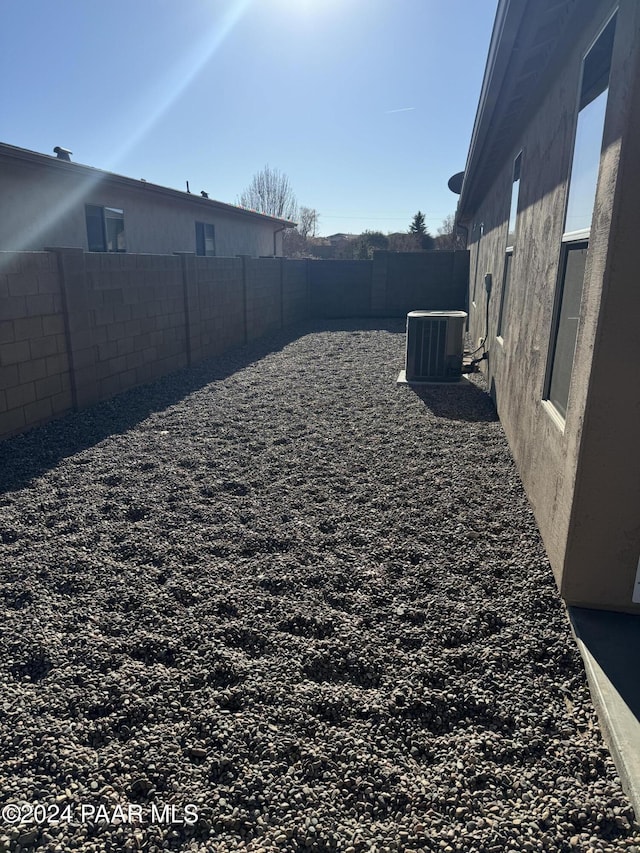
(366, 105)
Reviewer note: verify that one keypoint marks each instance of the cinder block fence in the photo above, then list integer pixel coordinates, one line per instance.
(79, 327)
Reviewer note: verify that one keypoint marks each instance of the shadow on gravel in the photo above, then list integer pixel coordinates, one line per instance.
(613, 639)
(33, 453)
(394, 325)
(463, 401)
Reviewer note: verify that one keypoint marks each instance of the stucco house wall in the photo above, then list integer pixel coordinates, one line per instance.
(581, 473)
(43, 204)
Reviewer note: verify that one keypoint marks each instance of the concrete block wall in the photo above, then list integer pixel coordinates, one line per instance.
(35, 383)
(410, 281)
(78, 327)
(296, 304)
(379, 283)
(219, 321)
(341, 288)
(136, 319)
(263, 282)
(390, 285)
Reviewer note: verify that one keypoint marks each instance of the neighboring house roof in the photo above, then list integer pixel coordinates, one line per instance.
(341, 238)
(529, 39)
(47, 160)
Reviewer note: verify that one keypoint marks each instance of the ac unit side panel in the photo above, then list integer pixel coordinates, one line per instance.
(455, 337)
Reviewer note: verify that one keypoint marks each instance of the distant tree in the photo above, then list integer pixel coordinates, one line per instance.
(297, 242)
(270, 192)
(417, 226)
(369, 242)
(420, 233)
(308, 219)
(448, 237)
(345, 247)
(293, 244)
(400, 241)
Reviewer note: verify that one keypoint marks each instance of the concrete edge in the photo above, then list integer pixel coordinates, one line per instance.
(402, 380)
(620, 726)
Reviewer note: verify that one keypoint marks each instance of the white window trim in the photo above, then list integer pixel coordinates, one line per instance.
(576, 236)
(555, 416)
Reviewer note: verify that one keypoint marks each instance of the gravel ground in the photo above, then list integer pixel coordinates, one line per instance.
(276, 602)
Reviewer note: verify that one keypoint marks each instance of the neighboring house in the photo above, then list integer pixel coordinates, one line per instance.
(48, 201)
(551, 203)
(332, 248)
(341, 239)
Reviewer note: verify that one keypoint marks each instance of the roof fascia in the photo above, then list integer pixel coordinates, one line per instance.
(507, 22)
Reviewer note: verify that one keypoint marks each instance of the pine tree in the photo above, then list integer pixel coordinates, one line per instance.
(421, 235)
(417, 226)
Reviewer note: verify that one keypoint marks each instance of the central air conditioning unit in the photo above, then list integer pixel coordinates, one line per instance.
(435, 345)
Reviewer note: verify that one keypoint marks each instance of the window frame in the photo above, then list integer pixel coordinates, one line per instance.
(512, 229)
(97, 212)
(480, 228)
(201, 239)
(577, 239)
(514, 208)
(504, 292)
(561, 289)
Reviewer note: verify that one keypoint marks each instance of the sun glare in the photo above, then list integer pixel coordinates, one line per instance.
(184, 72)
(306, 8)
(177, 80)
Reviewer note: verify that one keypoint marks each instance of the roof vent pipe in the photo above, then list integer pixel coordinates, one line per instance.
(62, 153)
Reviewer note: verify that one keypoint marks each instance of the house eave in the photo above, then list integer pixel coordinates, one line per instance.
(140, 186)
(505, 29)
(528, 45)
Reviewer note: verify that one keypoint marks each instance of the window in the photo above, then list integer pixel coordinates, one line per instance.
(574, 261)
(511, 242)
(105, 229)
(205, 239)
(590, 126)
(513, 211)
(581, 198)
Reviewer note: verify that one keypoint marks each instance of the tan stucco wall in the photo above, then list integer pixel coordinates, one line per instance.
(44, 206)
(605, 531)
(593, 548)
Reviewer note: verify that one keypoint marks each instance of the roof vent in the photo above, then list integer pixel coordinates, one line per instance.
(62, 153)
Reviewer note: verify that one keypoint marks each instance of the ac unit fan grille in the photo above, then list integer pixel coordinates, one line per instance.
(430, 349)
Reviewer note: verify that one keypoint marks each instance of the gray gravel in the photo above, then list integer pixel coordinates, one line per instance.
(309, 603)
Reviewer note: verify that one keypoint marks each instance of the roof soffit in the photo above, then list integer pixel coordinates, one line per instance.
(529, 41)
